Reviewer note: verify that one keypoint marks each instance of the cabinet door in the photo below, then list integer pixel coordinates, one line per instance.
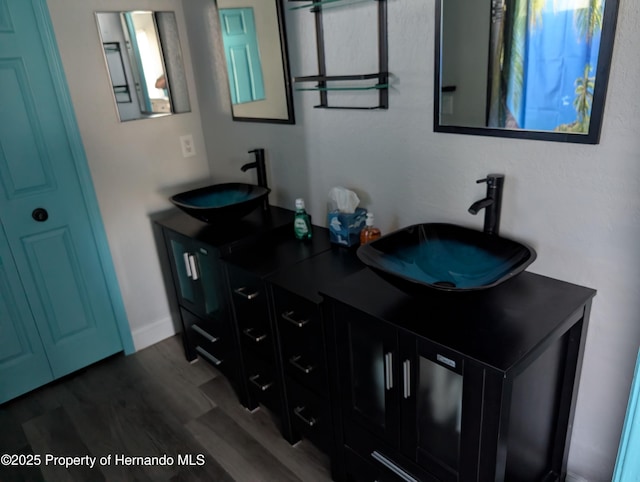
(198, 276)
(183, 262)
(441, 399)
(367, 354)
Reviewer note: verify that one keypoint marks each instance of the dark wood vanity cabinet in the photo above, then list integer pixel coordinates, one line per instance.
(194, 251)
(458, 386)
(306, 350)
(255, 318)
(442, 386)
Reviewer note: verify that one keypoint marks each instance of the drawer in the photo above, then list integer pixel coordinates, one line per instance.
(361, 470)
(310, 415)
(298, 319)
(386, 462)
(252, 313)
(248, 292)
(306, 365)
(217, 345)
(262, 382)
(301, 340)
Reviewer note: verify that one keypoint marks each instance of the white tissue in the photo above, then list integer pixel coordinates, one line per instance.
(343, 200)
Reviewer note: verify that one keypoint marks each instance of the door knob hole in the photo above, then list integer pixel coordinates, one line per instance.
(40, 214)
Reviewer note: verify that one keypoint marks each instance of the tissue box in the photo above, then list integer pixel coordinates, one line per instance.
(344, 228)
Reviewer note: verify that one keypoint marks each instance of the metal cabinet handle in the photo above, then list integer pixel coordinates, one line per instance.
(299, 323)
(187, 264)
(294, 360)
(406, 372)
(208, 336)
(194, 267)
(249, 296)
(255, 338)
(388, 370)
(404, 475)
(263, 387)
(298, 413)
(208, 356)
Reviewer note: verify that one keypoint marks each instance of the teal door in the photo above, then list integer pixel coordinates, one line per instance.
(243, 57)
(57, 306)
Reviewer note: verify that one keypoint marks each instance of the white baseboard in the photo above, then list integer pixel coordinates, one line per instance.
(153, 333)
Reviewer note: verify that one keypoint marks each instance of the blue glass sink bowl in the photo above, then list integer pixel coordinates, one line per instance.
(445, 257)
(221, 202)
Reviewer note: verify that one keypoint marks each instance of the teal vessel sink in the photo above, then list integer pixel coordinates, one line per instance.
(221, 202)
(445, 257)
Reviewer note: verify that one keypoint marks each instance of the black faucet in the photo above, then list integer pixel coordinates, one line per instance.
(492, 204)
(259, 165)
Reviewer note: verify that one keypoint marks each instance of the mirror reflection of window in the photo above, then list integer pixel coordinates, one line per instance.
(547, 53)
(144, 60)
(148, 68)
(524, 68)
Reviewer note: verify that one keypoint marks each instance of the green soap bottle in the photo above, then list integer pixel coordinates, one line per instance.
(301, 221)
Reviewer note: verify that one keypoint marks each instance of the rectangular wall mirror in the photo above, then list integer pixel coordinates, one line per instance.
(144, 61)
(253, 36)
(534, 69)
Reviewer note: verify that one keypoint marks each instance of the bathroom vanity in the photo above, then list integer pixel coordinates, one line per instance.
(438, 386)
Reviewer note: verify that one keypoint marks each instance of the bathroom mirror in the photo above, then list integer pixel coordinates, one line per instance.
(144, 61)
(253, 36)
(533, 69)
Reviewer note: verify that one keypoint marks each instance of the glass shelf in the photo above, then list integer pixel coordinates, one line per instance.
(381, 86)
(329, 3)
(327, 89)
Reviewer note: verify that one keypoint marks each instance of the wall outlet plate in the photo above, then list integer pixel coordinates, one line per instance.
(188, 149)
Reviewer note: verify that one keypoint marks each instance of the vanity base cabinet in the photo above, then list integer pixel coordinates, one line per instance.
(448, 388)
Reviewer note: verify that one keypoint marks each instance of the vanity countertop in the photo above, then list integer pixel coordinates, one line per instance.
(498, 327)
(228, 237)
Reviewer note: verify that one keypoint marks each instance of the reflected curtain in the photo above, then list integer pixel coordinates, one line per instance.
(543, 58)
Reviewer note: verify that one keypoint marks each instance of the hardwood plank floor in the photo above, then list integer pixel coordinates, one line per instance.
(150, 404)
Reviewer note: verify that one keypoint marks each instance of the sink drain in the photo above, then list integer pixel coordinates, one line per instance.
(445, 284)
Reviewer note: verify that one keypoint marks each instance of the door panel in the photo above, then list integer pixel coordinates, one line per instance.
(243, 56)
(58, 259)
(22, 357)
(24, 162)
(368, 358)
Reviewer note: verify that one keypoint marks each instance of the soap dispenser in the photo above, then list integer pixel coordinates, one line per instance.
(301, 221)
(369, 232)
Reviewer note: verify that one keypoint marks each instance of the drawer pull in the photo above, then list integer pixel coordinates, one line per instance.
(308, 421)
(299, 323)
(263, 387)
(392, 467)
(208, 336)
(256, 338)
(242, 292)
(295, 361)
(208, 356)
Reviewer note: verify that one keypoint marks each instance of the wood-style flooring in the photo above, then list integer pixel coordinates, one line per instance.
(152, 403)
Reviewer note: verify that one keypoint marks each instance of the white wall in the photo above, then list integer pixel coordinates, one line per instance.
(579, 206)
(135, 165)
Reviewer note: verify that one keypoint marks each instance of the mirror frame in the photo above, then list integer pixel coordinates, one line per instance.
(597, 110)
(284, 52)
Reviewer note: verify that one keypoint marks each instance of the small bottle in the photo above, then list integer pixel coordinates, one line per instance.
(301, 221)
(369, 232)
